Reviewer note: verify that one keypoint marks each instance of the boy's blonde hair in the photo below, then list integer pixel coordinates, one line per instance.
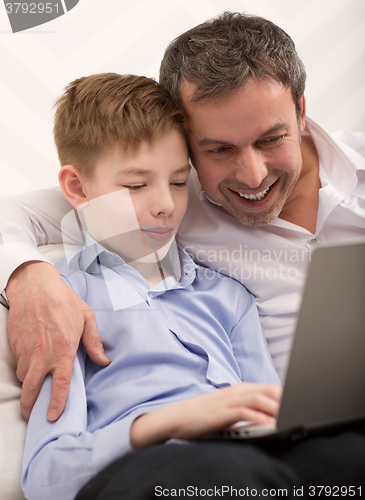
(100, 111)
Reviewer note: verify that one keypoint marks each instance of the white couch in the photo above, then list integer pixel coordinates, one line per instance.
(12, 425)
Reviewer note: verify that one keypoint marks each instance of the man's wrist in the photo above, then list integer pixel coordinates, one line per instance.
(19, 274)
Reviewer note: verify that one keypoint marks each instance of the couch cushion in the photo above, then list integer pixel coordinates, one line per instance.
(12, 425)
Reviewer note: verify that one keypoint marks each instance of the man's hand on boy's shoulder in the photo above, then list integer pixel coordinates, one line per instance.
(46, 321)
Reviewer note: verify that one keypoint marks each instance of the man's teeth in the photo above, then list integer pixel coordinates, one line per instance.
(257, 196)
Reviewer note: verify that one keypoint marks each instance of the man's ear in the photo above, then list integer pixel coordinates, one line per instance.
(71, 184)
(302, 105)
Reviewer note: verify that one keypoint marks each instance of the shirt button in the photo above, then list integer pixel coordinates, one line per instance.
(315, 241)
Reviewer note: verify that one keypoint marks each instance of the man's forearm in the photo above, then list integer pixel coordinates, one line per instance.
(27, 221)
(37, 214)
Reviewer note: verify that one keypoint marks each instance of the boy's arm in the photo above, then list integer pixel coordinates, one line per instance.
(46, 318)
(208, 413)
(60, 457)
(256, 400)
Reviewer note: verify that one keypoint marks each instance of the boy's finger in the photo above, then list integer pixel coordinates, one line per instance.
(263, 403)
(258, 417)
(273, 391)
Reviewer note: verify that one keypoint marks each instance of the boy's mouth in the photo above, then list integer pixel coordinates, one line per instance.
(158, 233)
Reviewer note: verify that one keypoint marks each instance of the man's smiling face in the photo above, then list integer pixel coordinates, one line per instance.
(246, 148)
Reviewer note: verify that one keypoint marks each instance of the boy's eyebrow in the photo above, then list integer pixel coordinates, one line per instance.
(185, 168)
(141, 171)
(133, 170)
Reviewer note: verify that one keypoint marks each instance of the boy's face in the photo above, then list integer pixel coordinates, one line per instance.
(137, 199)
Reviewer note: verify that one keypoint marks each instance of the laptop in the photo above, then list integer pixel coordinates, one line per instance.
(325, 380)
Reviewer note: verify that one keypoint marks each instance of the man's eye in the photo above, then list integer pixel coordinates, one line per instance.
(219, 150)
(271, 141)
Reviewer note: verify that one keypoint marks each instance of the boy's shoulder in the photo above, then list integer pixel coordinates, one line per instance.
(207, 275)
(72, 275)
(63, 267)
(209, 278)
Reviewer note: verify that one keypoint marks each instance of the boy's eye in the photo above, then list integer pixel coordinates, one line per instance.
(134, 188)
(179, 184)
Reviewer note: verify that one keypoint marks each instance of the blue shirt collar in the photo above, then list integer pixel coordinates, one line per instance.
(94, 255)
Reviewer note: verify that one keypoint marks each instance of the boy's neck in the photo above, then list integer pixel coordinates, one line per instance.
(155, 267)
(154, 272)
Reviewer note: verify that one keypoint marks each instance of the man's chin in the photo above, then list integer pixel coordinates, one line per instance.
(258, 219)
(255, 222)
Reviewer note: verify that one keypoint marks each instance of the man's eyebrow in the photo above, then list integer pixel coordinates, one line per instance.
(211, 140)
(275, 128)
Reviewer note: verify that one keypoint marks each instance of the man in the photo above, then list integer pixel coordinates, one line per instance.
(274, 186)
(272, 189)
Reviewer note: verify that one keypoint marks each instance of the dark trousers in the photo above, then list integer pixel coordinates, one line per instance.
(324, 466)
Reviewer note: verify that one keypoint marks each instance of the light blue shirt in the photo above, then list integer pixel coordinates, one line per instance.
(174, 341)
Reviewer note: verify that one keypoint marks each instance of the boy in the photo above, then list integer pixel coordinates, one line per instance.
(175, 332)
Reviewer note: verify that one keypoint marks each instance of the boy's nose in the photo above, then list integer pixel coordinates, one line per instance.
(163, 203)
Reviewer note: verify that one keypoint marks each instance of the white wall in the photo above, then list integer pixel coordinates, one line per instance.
(129, 36)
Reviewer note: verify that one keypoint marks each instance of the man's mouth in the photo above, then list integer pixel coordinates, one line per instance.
(257, 196)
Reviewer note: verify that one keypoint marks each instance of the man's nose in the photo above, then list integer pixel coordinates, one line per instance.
(251, 168)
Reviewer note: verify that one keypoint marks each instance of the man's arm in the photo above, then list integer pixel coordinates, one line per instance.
(46, 318)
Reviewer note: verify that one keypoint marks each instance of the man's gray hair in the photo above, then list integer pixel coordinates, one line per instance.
(223, 54)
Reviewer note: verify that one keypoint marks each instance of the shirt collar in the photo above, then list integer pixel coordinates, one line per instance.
(205, 197)
(337, 161)
(94, 255)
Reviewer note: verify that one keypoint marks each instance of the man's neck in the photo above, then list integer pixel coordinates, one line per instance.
(302, 206)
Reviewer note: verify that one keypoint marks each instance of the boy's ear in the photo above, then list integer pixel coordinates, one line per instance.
(71, 184)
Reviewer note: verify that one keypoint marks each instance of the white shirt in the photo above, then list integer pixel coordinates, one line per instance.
(270, 261)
